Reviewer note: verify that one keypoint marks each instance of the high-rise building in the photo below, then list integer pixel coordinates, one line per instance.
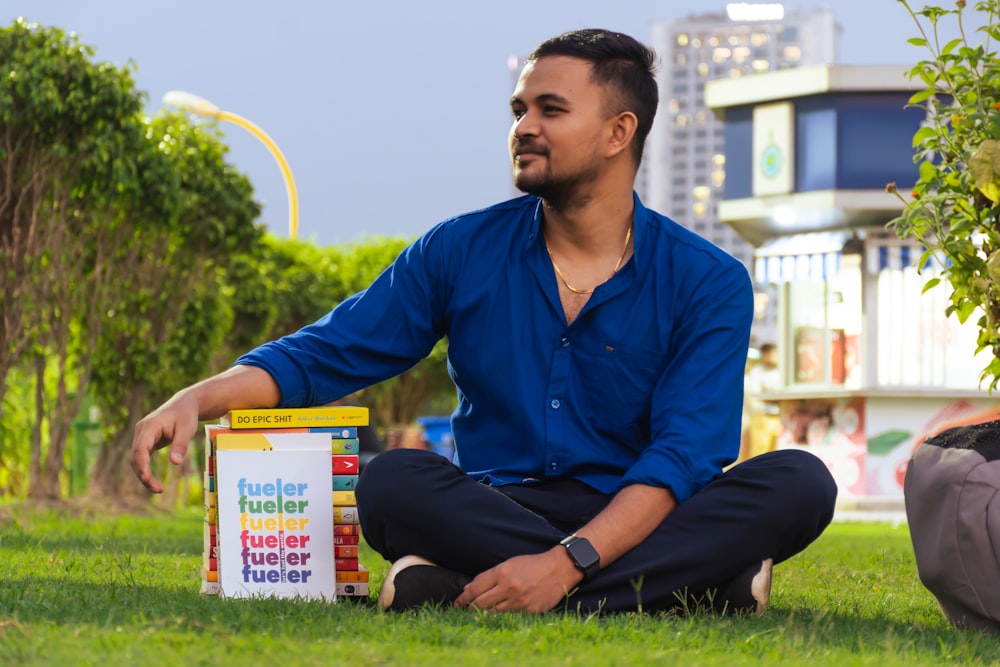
(684, 165)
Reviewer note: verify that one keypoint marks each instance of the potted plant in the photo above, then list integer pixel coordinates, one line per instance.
(952, 483)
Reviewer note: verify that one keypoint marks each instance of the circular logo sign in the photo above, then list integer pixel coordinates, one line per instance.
(771, 161)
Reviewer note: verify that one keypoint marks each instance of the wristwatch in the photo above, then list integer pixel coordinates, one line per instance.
(583, 554)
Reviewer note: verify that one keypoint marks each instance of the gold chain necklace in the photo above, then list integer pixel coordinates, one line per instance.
(618, 265)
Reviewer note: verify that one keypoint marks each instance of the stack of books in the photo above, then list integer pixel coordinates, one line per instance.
(270, 528)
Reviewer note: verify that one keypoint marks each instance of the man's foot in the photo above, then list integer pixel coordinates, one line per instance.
(750, 591)
(413, 581)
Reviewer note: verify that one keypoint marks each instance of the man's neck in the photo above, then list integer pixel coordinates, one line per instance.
(589, 223)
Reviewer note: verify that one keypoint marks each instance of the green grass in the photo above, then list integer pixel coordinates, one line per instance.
(123, 590)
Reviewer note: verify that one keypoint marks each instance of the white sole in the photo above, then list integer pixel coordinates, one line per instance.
(388, 591)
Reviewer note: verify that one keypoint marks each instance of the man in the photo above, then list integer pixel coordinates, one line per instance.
(765, 417)
(598, 350)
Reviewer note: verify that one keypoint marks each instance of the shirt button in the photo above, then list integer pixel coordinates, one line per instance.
(555, 404)
(565, 342)
(554, 465)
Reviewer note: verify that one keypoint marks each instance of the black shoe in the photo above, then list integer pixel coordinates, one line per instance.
(413, 581)
(748, 592)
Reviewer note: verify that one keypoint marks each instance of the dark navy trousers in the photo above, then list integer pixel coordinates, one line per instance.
(771, 506)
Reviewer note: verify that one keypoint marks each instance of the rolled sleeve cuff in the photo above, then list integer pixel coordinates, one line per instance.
(659, 469)
(290, 377)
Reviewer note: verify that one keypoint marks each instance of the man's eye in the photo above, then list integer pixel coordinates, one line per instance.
(551, 109)
(517, 112)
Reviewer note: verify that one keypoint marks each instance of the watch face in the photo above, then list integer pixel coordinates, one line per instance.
(583, 555)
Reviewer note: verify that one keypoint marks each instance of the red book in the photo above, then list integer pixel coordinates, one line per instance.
(345, 540)
(345, 551)
(346, 529)
(345, 563)
(345, 464)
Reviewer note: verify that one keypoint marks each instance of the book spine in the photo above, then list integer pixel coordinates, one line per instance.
(344, 445)
(346, 540)
(344, 482)
(338, 417)
(346, 529)
(345, 551)
(345, 514)
(360, 574)
(345, 464)
(345, 433)
(347, 589)
(344, 498)
(345, 563)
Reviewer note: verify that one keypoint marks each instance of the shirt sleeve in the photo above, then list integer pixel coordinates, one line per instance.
(369, 337)
(696, 411)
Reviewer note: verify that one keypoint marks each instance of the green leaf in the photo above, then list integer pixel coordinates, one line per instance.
(930, 284)
(984, 165)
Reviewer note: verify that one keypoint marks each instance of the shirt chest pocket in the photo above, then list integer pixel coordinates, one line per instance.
(616, 386)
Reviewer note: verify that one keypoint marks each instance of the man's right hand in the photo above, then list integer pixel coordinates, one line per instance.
(174, 424)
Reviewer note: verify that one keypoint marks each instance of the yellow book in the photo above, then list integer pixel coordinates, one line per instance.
(340, 415)
(344, 498)
(273, 441)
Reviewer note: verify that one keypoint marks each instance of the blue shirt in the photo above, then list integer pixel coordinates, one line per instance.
(645, 386)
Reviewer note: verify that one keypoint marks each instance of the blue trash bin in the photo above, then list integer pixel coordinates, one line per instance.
(437, 435)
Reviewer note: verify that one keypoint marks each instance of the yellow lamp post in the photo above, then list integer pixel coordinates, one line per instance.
(202, 107)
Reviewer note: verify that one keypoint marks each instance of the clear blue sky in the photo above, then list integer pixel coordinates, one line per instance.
(392, 114)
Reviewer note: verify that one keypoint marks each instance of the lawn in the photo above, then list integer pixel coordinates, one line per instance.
(123, 590)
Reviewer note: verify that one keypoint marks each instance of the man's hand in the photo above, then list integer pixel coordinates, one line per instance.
(533, 584)
(174, 424)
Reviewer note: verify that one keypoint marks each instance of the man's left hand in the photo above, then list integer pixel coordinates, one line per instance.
(533, 584)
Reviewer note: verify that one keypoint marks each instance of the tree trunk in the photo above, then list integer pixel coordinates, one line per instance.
(35, 489)
(112, 475)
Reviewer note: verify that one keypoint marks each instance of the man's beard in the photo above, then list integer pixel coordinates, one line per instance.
(559, 192)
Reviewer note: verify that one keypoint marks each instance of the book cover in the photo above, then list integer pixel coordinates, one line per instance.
(333, 416)
(275, 528)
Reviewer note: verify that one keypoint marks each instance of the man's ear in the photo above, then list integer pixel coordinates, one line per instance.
(623, 128)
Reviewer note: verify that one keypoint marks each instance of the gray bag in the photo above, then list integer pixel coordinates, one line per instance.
(953, 509)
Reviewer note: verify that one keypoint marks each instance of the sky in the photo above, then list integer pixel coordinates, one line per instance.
(392, 114)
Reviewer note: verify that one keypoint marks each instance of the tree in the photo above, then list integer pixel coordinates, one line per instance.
(954, 210)
(170, 315)
(66, 136)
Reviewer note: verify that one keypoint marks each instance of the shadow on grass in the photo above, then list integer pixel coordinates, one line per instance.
(842, 630)
(119, 600)
(123, 601)
(158, 533)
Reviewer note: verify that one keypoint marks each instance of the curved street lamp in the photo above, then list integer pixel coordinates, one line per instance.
(202, 107)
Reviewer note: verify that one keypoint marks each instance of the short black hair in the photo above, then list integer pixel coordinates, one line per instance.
(620, 63)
